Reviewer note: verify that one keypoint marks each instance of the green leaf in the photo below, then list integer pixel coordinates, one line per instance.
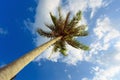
(54, 19)
(51, 27)
(82, 27)
(63, 51)
(56, 46)
(81, 33)
(78, 31)
(66, 20)
(76, 44)
(84, 47)
(75, 19)
(44, 33)
(60, 15)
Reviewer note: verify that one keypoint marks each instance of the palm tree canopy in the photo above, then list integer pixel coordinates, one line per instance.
(68, 29)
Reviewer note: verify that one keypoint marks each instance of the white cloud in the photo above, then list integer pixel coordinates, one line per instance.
(102, 27)
(85, 79)
(95, 4)
(117, 45)
(75, 5)
(69, 76)
(105, 36)
(42, 12)
(107, 74)
(105, 50)
(65, 70)
(74, 56)
(2, 31)
(117, 10)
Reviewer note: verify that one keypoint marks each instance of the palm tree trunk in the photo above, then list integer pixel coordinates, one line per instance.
(9, 71)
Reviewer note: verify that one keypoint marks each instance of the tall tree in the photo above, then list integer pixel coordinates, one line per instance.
(63, 31)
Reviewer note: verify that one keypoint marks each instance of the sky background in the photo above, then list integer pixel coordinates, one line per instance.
(20, 19)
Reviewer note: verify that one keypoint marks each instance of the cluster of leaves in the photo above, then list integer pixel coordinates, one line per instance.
(66, 28)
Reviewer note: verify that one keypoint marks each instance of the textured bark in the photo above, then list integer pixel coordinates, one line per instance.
(9, 71)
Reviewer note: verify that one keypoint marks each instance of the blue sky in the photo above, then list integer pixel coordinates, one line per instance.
(20, 19)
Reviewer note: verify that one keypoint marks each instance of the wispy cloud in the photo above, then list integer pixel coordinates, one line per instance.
(94, 5)
(85, 79)
(105, 50)
(107, 74)
(69, 76)
(117, 10)
(74, 56)
(2, 31)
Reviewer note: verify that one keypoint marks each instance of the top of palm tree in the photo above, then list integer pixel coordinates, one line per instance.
(68, 29)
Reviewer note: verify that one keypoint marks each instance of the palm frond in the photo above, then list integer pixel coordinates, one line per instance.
(63, 48)
(60, 14)
(66, 28)
(75, 19)
(82, 27)
(57, 23)
(78, 32)
(51, 27)
(76, 44)
(66, 20)
(60, 46)
(44, 33)
(81, 33)
(54, 19)
(56, 46)
(63, 51)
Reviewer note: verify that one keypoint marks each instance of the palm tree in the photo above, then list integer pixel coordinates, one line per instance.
(63, 31)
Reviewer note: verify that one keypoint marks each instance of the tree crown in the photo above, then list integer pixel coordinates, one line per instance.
(68, 29)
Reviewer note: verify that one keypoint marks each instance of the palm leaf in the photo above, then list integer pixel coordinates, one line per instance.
(60, 45)
(75, 19)
(56, 46)
(63, 48)
(76, 44)
(66, 20)
(82, 27)
(81, 33)
(44, 33)
(51, 27)
(63, 51)
(60, 15)
(57, 23)
(54, 19)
